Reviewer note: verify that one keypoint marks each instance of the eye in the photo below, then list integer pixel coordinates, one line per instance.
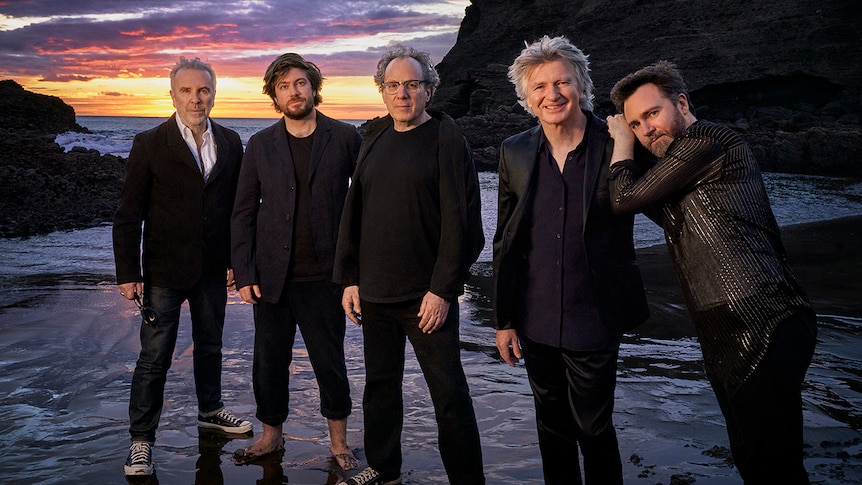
(412, 85)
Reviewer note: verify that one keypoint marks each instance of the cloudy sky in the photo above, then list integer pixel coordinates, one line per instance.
(112, 57)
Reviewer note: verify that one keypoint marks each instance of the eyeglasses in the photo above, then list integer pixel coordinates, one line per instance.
(412, 86)
(147, 313)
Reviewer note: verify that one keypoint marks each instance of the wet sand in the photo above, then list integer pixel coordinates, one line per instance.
(68, 345)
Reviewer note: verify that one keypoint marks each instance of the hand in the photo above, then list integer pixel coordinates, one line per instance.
(250, 293)
(129, 290)
(350, 303)
(231, 282)
(507, 345)
(432, 312)
(624, 138)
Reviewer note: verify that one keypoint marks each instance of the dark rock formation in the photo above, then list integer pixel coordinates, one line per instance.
(43, 189)
(786, 74)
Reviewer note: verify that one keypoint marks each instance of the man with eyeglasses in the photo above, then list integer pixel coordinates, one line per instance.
(410, 230)
(181, 177)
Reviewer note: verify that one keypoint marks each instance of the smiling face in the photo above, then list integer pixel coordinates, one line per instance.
(294, 95)
(655, 119)
(552, 93)
(193, 96)
(406, 108)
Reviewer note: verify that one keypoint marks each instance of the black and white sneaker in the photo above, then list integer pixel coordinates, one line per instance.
(140, 460)
(224, 421)
(369, 476)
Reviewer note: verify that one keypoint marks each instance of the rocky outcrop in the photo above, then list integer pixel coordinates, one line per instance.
(786, 74)
(43, 189)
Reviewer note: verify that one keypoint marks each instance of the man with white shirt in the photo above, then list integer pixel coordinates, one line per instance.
(181, 177)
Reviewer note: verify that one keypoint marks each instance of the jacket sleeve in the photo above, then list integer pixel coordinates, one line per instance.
(243, 223)
(461, 236)
(128, 220)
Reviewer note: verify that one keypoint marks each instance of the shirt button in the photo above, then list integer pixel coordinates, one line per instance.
(558, 236)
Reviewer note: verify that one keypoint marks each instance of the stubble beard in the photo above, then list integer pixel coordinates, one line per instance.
(677, 129)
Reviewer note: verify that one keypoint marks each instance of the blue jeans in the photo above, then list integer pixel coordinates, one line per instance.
(207, 301)
(574, 396)
(385, 328)
(316, 309)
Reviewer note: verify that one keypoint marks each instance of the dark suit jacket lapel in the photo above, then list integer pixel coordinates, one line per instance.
(529, 153)
(177, 144)
(321, 139)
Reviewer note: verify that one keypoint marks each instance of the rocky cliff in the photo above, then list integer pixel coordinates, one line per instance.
(43, 189)
(787, 74)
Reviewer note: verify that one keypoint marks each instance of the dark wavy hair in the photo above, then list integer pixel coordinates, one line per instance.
(286, 62)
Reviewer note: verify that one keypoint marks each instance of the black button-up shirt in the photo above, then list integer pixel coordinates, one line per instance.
(558, 307)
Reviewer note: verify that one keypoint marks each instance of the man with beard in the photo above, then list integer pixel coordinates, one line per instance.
(284, 229)
(755, 325)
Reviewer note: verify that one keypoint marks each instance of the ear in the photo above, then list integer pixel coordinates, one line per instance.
(682, 103)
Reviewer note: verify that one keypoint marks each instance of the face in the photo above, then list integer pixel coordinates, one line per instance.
(655, 120)
(407, 109)
(193, 95)
(552, 92)
(294, 95)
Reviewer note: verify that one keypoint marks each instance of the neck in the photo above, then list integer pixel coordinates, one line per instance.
(409, 125)
(566, 136)
(301, 128)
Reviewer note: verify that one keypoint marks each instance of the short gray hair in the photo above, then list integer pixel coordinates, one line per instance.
(429, 73)
(195, 63)
(549, 49)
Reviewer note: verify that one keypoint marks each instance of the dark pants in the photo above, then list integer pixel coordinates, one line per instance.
(764, 417)
(317, 311)
(385, 327)
(574, 396)
(207, 301)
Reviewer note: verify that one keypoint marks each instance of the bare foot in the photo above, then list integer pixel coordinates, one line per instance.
(271, 441)
(346, 460)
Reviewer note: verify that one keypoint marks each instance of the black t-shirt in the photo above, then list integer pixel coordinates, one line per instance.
(400, 228)
(304, 265)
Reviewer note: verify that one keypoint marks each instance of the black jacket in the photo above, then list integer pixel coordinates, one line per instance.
(186, 222)
(610, 251)
(264, 213)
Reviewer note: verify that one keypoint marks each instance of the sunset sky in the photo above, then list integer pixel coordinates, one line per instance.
(112, 58)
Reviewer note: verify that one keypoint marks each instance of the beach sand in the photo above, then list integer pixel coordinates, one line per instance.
(68, 345)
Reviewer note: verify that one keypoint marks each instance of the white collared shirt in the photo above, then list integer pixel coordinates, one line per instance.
(208, 148)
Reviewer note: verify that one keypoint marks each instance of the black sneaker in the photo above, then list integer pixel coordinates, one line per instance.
(140, 460)
(224, 421)
(369, 476)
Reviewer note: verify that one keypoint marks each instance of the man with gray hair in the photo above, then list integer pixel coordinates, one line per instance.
(180, 182)
(566, 282)
(410, 230)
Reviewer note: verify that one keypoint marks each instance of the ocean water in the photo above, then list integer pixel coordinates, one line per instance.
(795, 198)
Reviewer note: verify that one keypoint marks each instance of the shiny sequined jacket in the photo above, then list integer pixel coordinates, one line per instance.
(708, 194)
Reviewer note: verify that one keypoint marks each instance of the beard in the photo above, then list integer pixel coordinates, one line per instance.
(677, 128)
(299, 112)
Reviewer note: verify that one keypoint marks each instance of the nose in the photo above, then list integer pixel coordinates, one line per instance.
(647, 129)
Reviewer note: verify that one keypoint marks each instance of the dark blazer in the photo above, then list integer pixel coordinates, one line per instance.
(263, 217)
(610, 251)
(186, 222)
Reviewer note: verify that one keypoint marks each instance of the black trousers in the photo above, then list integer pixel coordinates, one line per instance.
(764, 416)
(574, 396)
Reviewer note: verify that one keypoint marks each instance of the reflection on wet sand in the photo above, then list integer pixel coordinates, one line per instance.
(68, 345)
